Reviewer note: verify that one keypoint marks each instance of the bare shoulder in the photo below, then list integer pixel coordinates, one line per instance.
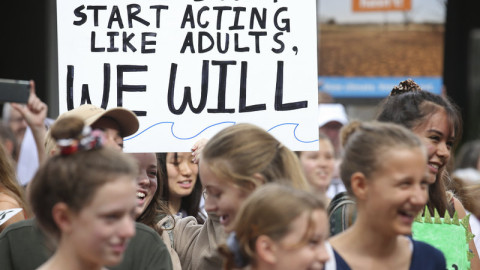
(8, 202)
(457, 204)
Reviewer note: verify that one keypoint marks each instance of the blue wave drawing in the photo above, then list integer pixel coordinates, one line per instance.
(294, 132)
(216, 124)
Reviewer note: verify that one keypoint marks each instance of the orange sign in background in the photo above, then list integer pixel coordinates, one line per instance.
(381, 5)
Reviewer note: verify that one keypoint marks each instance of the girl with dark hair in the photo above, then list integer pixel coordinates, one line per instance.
(182, 191)
(148, 190)
(151, 210)
(437, 121)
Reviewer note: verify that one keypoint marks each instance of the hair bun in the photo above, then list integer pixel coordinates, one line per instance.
(67, 128)
(348, 130)
(72, 135)
(404, 87)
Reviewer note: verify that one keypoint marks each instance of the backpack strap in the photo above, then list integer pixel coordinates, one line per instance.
(341, 213)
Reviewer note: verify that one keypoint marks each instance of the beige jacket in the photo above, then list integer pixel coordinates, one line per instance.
(167, 236)
(196, 244)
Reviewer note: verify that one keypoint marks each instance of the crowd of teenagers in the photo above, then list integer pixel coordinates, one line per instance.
(240, 200)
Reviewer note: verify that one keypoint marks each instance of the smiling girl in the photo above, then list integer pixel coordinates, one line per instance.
(85, 199)
(239, 159)
(181, 189)
(148, 203)
(233, 163)
(437, 121)
(278, 228)
(319, 166)
(150, 209)
(384, 168)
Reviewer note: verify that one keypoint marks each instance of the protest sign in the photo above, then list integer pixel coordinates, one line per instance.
(189, 68)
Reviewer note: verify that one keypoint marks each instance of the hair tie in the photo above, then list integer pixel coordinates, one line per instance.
(234, 246)
(88, 140)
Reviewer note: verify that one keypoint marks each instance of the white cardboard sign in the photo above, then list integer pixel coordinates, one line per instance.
(190, 68)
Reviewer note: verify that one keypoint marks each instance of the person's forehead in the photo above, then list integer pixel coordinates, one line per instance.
(438, 121)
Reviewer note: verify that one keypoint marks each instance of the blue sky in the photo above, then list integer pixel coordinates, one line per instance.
(423, 11)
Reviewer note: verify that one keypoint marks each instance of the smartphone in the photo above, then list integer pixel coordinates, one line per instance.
(14, 91)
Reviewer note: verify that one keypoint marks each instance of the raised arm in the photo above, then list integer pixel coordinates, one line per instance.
(35, 113)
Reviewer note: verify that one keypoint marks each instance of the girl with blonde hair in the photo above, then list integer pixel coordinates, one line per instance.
(384, 168)
(233, 163)
(278, 227)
